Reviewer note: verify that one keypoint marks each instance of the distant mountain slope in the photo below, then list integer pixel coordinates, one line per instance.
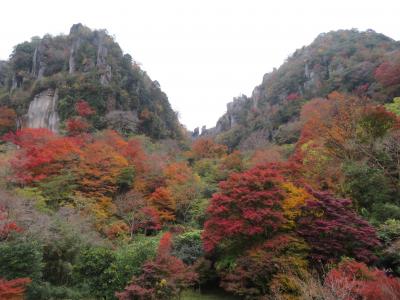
(45, 77)
(344, 60)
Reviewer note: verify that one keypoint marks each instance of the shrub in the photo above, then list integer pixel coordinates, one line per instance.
(188, 246)
(162, 278)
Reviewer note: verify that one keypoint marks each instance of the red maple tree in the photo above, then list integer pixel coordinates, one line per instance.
(83, 108)
(354, 280)
(13, 289)
(247, 207)
(333, 229)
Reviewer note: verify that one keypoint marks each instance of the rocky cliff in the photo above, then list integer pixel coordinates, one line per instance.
(42, 112)
(46, 76)
(343, 60)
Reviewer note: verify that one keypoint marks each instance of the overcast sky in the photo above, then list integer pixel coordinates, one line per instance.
(203, 53)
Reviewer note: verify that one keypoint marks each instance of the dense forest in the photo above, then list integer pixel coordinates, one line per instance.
(295, 194)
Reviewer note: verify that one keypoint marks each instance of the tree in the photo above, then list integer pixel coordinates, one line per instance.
(388, 73)
(131, 150)
(266, 267)
(375, 123)
(294, 199)
(13, 289)
(394, 107)
(247, 208)
(147, 221)
(133, 208)
(7, 227)
(162, 278)
(162, 200)
(83, 108)
(249, 232)
(21, 259)
(188, 246)
(93, 269)
(7, 119)
(76, 126)
(42, 154)
(184, 186)
(354, 280)
(231, 163)
(207, 148)
(346, 130)
(332, 229)
(98, 169)
(367, 186)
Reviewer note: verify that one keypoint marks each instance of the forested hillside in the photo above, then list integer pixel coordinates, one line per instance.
(45, 77)
(294, 195)
(361, 63)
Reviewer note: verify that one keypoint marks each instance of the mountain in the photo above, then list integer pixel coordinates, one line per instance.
(96, 214)
(344, 60)
(45, 77)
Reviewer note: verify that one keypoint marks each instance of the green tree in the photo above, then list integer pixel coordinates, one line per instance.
(21, 258)
(394, 107)
(367, 186)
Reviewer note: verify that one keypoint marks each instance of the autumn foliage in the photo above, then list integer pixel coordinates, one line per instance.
(7, 226)
(83, 108)
(388, 73)
(207, 148)
(294, 196)
(42, 154)
(333, 230)
(76, 126)
(271, 228)
(354, 280)
(13, 289)
(248, 207)
(7, 119)
(162, 278)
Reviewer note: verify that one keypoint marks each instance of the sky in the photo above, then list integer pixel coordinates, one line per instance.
(206, 52)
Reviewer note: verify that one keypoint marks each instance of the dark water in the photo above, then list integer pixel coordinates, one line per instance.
(208, 294)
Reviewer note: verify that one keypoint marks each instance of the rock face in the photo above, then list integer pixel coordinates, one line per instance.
(42, 111)
(84, 65)
(38, 63)
(232, 117)
(76, 42)
(3, 73)
(343, 61)
(101, 61)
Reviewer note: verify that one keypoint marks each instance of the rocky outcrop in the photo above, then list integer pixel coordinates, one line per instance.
(101, 61)
(71, 61)
(234, 112)
(42, 111)
(84, 64)
(38, 63)
(343, 60)
(3, 73)
(77, 34)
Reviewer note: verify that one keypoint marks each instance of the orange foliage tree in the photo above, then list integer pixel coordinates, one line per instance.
(42, 154)
(162, 200)
(207, 148)
(98, 169)
(7, 119)
(339, 129)
(184, 186)
(13, 289)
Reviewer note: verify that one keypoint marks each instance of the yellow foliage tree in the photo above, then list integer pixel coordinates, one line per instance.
(295, 197)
